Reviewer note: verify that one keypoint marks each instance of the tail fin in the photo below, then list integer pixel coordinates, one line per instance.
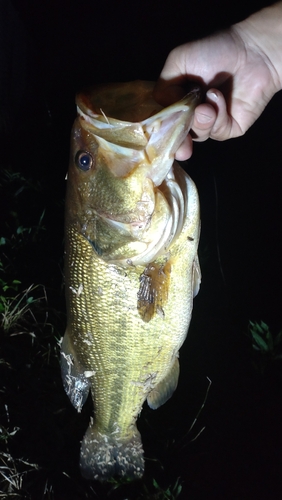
(104, 456)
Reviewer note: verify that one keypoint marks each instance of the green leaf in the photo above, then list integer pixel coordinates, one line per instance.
(264, 326)
(155, 484)
(179, 489)
(260, 341)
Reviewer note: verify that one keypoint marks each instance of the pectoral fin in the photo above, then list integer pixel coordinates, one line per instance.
(153, 292)
(75, 381)
(165, 389)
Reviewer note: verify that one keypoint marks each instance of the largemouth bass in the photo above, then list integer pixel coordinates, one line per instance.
(131, 266)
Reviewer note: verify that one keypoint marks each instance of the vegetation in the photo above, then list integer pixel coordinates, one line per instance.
(266, 345)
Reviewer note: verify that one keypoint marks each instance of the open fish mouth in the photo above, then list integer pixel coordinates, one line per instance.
(135, 140)
(151, 137)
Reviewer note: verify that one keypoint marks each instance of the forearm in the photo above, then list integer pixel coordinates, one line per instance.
(262, 32)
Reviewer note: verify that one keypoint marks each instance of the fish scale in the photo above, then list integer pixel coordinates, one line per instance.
(130, 337)
(127, 316)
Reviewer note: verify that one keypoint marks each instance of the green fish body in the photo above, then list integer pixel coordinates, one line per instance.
(131, 266)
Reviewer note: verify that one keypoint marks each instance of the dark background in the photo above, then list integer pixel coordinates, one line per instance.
(49, 51)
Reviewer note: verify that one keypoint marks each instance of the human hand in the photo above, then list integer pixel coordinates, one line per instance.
(237, 75)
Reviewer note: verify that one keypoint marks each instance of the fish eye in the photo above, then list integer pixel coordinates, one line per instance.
(83, 160)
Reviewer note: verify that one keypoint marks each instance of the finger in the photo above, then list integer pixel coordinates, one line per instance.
(204, 120)
(222, 128)
(185, 150)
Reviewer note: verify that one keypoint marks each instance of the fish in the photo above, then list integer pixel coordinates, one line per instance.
(132, 228)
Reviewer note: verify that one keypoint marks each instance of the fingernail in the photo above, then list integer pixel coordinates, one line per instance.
(212, 94)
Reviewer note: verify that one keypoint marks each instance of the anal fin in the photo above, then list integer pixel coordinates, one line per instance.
(164, 390)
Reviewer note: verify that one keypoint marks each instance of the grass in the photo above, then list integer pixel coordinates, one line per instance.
(170, 493)
(12, 473)
(17, 312)
(12, 470)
